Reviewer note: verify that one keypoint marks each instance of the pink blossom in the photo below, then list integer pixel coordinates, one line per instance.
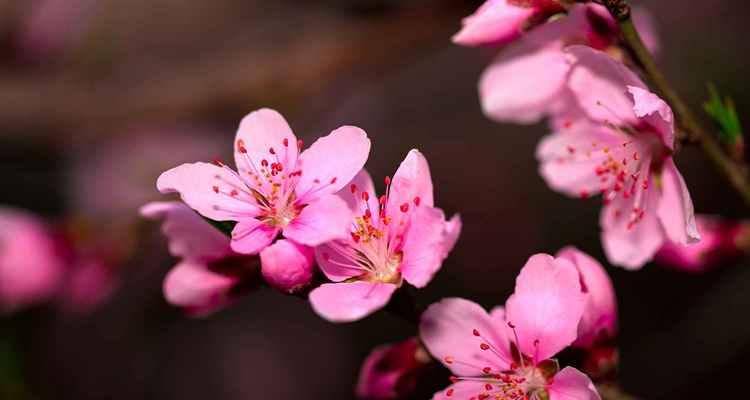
(399, 236)
(275, 188)
(719, 243)
(526, 82)
(502, 21)
(31, 264)
(209, 274)
(90, 282)
(599, 320)
(507, 353)
(621, 146)
(391, 370)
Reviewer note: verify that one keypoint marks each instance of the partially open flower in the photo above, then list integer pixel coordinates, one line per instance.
(391, 370)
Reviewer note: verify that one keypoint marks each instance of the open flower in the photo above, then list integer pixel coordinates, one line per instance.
(399, 236)
(210, 275)
(391, 370)
(32, 266)
(621, 147)
(526, 82)
(502, 21)
(277, 187)
(506, 354)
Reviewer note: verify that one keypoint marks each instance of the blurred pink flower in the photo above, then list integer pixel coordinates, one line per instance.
(276, 189)
(391, 370)
(109, 182)
(209, 274)
(621, 146)
(32, 264)
(599, 320)
(399, 236)
(502, 21)
(90, 281)
(526, 82)
(52, 26)
(507, 352)
(719, 243)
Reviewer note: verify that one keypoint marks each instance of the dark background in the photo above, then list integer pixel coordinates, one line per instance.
(141, 68)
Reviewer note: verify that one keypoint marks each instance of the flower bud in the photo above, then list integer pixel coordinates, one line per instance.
(286, 265)
(391, 370)
(719, 243)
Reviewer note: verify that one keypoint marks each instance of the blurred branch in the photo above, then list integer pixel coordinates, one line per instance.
(734, 172)
(292, 73)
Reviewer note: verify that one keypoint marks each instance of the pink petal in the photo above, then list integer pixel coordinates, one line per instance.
(495, 21)
(460, 390)
(563, 168)
(676, 207)
(333, 263)
(206, 188)
(332, 162)
(447, 330)
(411, 185)
(286, 265)
(361, 183)
(600, 84)
(631, 248)
(192, 285)
(189, 235)
(719, 239)
(424, 246)
(31, 264)
(600, 314)
(326, 219)
(250, 236)
(259, 132)
(656, 112)
(546, 306)
(347, 302)
(646, 25)
(451, 233)
(572, 384)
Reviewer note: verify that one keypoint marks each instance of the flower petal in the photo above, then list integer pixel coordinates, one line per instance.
(354, 198)
(286, 265)
(250, 236)
(676, 207)
(331, 163)
(189, 235)
(546, 306)
(600, 314)
(495, 21)
(656, 112)
(424, 246)
(206, 188)
(411, 185)
(347, 302)
(572, 384)
(333, 261)
(447, 330)
(326, 219)
(460, 390)
(258, 133)
(193, 286)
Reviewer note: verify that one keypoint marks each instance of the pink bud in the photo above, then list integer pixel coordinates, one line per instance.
(391, 370)
(286, 265)
(719, 241)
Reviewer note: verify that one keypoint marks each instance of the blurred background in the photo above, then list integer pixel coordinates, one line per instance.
(97, 97)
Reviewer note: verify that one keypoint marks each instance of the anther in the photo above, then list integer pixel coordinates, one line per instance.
(285, 142)
(404, 207)
(387, 180)
(272, 151)
(484, 346)
(353, 188)
(475, 332)
(216, 189)
(417, 200)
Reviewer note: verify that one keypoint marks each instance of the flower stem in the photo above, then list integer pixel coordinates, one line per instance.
(734, 171)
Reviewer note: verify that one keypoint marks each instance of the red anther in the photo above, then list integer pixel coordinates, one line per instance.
(217, 162)
(487, 387)
(645, 185)
(382, 200)
(387, 180)
(449, 392)
(484, 396)
(368, 214)
(567, 124)
(353, 188)
(300, 142)
(404, 207)
(234, 192)
(536, 342)
(510, 324)
(448, 360)
(365, 196)
(285, 142)
(486, 370)
(333, 180)
(475, 332)
(417, 200)
(617, 187)
(216, 189)
(484, 346)
(316, 181)
(272, 151)
(584, 194)
(264, 162)
(242, 149)
(355, 237)
(454, 379)
(279, 167)
(571, 150)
